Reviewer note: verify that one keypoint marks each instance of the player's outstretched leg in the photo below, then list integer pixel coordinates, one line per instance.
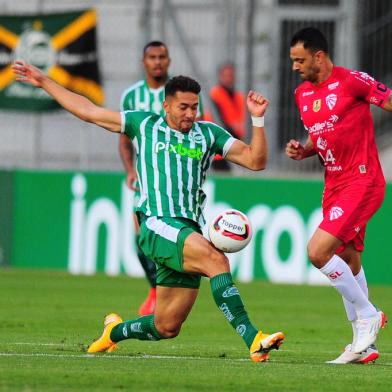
(228, 300)
(116, 330)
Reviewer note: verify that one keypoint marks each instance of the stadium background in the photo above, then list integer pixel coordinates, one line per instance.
(201, 35)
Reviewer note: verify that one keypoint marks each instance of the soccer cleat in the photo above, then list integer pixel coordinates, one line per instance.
(263, 343)
(348, 356)
(148, 306)
(104, 343)
(367, 330)
(369, 355)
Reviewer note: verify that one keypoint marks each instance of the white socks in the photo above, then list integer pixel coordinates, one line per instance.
(342, 279)
(350, 310)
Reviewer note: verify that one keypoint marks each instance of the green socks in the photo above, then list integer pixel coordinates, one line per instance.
(228, 299)
(142, 328)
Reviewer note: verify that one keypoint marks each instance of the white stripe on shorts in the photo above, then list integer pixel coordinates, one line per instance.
(163, 229)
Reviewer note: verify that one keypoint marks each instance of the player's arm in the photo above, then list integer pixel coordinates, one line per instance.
(253, 156)
(76, 104)
(126, 154)
(297, 151)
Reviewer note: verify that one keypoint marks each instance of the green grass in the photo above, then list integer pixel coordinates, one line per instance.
(48, 318)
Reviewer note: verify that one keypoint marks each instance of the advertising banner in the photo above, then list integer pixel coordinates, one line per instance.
(63, 45)
(82, 222)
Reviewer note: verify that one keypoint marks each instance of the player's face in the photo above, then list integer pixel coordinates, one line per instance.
(227, 77)
(305, 62)
(181, 110)
(156, 62)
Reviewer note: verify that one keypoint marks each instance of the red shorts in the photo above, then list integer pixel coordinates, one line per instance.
(347, 211)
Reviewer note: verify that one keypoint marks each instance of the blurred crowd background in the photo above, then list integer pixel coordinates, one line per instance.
(201, 35)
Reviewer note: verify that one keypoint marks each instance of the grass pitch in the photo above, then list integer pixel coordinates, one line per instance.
(48, 319)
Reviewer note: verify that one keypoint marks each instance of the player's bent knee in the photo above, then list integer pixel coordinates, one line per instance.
(168, 331)
(317, 257)
(217, 262)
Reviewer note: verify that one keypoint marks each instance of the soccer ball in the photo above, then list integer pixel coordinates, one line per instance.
(230, 231)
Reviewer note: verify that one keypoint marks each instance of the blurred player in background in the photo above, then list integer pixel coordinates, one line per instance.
(334, 104)
(173, 156)
(146, 95)
(230, 106)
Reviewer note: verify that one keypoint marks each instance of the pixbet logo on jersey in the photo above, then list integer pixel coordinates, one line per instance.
(193, 153)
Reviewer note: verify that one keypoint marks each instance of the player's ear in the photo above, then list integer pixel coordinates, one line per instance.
(165, 105)
(319, 56)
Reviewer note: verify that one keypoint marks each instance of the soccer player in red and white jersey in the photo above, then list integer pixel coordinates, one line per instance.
(334, 104)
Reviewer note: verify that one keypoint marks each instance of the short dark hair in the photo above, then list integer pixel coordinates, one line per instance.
(181, 83)
(154, 44)
(311, 38)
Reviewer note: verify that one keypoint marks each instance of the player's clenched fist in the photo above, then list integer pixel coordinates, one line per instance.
(295, 150)
(256, 103)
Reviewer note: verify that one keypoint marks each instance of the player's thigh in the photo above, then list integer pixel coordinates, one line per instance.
(201, 257)
(173, 306)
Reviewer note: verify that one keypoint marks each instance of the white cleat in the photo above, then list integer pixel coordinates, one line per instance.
(348, 356)
(369, 355)
(367, 330)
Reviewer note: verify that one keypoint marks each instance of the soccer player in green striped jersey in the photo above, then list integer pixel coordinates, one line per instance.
(146, 95)
(173, 156)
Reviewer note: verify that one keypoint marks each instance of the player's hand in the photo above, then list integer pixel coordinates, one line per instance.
(28, 73)
(295, 150)
(131, 180)
(256, 103)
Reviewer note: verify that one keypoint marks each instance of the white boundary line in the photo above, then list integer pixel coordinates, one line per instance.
(143, 357)
(111, 356)
(76, 345)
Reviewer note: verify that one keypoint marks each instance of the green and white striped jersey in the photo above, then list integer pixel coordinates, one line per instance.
(172, 165)
(141, 97)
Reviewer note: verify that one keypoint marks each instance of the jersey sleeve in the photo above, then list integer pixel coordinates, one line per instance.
(365, 87)
(125, 103)
(222, 140)
(131, 121)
